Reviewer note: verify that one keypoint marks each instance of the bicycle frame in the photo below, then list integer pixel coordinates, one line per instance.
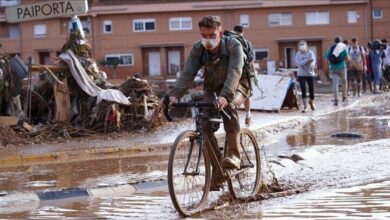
(202, 138)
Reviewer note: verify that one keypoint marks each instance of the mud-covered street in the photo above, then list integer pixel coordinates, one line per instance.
(338, 178)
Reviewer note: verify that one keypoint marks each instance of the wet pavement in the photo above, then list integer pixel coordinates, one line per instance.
(348, 178)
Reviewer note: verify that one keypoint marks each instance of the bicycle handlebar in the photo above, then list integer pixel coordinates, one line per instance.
(188, 104)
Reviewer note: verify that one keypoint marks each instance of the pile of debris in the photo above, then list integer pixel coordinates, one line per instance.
(73, 97)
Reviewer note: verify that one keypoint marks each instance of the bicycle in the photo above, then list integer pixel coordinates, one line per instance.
(189, 170)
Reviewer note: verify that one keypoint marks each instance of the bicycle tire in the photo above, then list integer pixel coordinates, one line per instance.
(188, 192)
(247, 183)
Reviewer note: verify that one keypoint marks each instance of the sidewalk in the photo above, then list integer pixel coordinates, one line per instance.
(159, 139)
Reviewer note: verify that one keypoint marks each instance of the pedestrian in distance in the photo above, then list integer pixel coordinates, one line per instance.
(356, 67)
(376, 56)
(247, 103)
(369, 75)
(223, 61)
(337, 56)
(306, 61)
(386, 61)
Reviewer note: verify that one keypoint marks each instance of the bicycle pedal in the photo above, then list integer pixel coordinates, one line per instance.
(218, 120)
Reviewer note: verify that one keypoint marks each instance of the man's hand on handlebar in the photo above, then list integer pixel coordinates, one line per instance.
(221, 103)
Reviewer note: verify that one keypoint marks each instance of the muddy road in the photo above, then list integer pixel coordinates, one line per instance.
(338, 178)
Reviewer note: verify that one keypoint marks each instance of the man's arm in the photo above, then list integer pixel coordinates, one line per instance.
(191, 68)
(347, 58)
(234, 72)
(363, 55)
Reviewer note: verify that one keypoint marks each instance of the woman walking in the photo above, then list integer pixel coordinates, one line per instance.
(306, 61)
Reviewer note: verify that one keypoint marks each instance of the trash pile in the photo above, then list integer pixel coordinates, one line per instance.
(73, 97)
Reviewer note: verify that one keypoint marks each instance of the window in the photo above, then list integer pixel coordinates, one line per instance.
(107, 26)
(86, 26)
(280, 19)
(261, 54)
(352, 17)
(142, 25)
(122, 59)
(377, 13)
(244, 20)
(14, 31)
(180, 23)
(39, 30)
(313, 18)
(8, 3)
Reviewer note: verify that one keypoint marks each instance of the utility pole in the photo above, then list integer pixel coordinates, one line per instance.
(371, 21)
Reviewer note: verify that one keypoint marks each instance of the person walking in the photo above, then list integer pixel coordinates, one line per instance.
(376, 56)
(223, 61)
(356, 67)
(386, 61)
(247, 103)
(306, 62)
(337, 56)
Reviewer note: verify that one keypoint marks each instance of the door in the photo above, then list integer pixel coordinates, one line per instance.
(173, 62)
(290, 57)
(154, 64)
(44, 58)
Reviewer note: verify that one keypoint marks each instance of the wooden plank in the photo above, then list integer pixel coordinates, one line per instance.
(62, 99)
(53, 68)
(8, 120)
(27, 126)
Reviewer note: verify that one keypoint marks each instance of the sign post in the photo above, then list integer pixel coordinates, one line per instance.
(45, 10)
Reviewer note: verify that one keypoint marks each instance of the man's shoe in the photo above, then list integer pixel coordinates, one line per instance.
(231, 162)
(247, 120)
(336, 102)
(345, 99)
(216, 187)
(216, 183)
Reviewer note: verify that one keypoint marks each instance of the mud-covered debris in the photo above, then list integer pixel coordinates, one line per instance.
(347, 135)
(294, 157)
(9, 136)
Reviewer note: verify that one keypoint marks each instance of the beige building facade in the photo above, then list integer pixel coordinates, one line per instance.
(153, 39)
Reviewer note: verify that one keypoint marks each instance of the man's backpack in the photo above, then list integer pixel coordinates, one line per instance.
(332, 58)
(247, 72)
(245, 46)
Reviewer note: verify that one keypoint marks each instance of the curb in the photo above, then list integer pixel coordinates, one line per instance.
(16, 198)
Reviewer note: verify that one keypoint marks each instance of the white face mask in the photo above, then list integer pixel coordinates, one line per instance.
(302, 47)
(210, 44)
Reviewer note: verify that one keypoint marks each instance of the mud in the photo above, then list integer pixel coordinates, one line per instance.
(9, 138)
(329, 168)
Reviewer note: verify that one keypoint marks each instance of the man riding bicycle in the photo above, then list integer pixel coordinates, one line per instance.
(223, 60)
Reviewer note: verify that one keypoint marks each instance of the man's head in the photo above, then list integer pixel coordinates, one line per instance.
(210, 28)
(302, 46)
(239, 29)
(384, 40)
(338, 39)
(354, 42)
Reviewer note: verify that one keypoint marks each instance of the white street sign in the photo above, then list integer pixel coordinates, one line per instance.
(46, 9)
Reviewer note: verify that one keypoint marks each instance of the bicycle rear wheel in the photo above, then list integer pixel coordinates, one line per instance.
(188, 174)
(247, 182)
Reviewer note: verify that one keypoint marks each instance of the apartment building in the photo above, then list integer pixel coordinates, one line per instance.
(152, 38)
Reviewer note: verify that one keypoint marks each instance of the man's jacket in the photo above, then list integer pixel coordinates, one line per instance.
(222, 74)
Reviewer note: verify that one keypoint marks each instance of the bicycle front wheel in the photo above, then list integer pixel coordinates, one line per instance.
(247, 182)
(188, 174)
